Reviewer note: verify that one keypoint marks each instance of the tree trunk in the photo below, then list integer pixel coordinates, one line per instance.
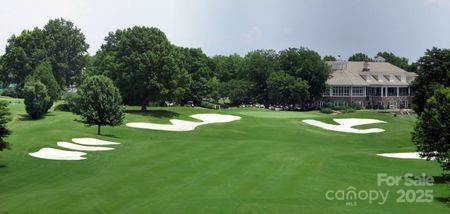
(144, 105)
(98, 129)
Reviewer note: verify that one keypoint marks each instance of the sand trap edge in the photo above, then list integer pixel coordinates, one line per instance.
(57, 154)
(92, 142)
(78, 147)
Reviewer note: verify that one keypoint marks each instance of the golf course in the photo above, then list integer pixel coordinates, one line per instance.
(266, 162)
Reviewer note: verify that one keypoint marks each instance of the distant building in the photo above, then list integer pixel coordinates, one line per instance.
(375, 84)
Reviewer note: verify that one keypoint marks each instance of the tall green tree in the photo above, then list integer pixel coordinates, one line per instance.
(200, 68)
(36, 99)
(144, 66)
(237, 91)
(66, 50)
(433, 71)
(432, 133)
(4, 119)
(306, 65)
(400, 62)
(286, 89)
(22, 54)
(359, 57)
(258, 65)
(59, 42)
(229, 67)
(99, 102)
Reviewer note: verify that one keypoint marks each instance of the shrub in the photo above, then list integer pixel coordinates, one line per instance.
(70, 101)
(348, 110)
(206, 104)
(62, 107)
(4, 119)
(326, 110)
(338, 108)
(356, 106)
(37, 102)
(44, 74)
(10, 92)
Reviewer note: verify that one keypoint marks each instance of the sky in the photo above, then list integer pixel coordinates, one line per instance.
(331, 27)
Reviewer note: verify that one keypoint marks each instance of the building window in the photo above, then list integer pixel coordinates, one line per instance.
(376, 92)
(341, 91)
(392, 105)
(391, 92)
(358, 91)
(358, 104)
(340, 103)
(403, 91)
(403, 104)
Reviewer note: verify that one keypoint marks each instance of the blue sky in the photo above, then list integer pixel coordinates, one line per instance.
(338, 27)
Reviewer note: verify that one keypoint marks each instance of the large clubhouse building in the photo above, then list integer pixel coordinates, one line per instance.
(375, 84)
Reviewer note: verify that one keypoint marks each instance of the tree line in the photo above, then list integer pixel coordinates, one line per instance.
(148, 68)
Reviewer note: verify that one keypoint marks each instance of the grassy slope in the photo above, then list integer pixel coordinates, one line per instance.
(266, 162)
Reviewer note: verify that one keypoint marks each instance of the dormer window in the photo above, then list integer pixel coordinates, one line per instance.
(391, 78)
(379, 59)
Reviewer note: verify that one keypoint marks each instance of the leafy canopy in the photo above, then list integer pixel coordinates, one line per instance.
(286, 89)
(306, 65)
(359, 57)
(144, 66)
(433, 72)
(99, 102)
(59, 42)
(431, 133)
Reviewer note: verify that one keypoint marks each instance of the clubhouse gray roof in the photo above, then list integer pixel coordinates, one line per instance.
(380, 74)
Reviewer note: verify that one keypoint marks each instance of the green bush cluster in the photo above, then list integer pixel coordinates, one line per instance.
(36, 99)
(326, 110)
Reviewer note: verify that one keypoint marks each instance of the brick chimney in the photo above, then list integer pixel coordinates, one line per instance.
(366, 66)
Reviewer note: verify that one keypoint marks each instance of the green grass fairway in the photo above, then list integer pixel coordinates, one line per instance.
(268, 162)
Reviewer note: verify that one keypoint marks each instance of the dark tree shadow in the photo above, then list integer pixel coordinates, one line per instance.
(444, 200)
(2, 166)
(78, 120)
(159, 113)
(109, 135)
(26, 117)
(441, 179)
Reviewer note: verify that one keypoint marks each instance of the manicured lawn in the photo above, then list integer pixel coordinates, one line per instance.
(268, 162)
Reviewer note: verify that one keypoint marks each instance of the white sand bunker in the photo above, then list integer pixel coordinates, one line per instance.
(403, 155)
(345, 125)
(57, 154)
(82, 148)
(79, 145)
(92, 142)
(183, 125)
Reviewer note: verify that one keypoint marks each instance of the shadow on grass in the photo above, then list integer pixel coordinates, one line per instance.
(441, 179)
(444, 200)
(26, 117)
(109, 135)
(159, 113)
(2, 166)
